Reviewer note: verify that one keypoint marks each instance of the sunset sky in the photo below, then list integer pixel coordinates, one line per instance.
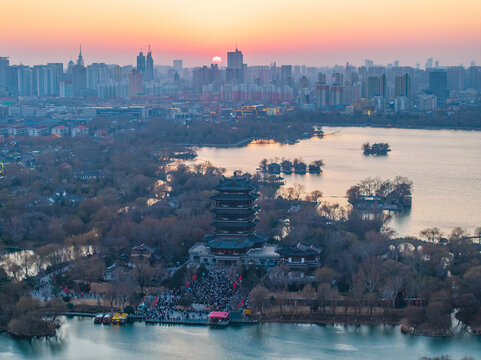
(312, 32)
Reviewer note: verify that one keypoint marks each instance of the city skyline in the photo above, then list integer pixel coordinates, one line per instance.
(310, 33)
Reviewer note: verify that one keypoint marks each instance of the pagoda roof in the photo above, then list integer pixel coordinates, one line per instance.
(234, 184)
(233, 224)
(299, 250)
(224, 242)
(238, 211)
(235, 197)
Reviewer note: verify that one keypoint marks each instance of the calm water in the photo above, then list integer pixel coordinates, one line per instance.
(81, 339)
(444, 165)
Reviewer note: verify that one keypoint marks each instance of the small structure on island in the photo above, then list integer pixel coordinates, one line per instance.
(234, 241)
(274, 168)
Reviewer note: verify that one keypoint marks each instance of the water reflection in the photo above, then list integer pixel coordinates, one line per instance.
(444, 165)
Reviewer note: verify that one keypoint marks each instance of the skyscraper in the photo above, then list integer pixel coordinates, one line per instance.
(4, 63)
(438, 86)
(141, 63)
(235, 67)
(80, 60)
(135, 83)
(178, 66)
(402, 86)
(149, 66)
(79, 77)
(429, 63)
(376, 86)
(286, 75)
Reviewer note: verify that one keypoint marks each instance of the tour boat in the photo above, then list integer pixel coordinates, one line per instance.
(99, 319)
(118, 319)
(107, 318)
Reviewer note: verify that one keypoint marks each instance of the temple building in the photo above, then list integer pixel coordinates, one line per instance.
(234, 241)
(298, 262)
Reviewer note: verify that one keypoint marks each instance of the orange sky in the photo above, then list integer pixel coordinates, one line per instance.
(313, 32)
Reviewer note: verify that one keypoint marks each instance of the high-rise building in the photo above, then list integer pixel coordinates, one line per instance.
(286, 75)
(80, 60)
(235, 67)
(321, 78)
(149, 66)
(25, 80)
(429, 63)
(79, 77)
(178, 66)
(402, 86)
(322, 95)
(368, 63)
(135, 83)
(376, 86)
(97, 73)
(438, 86)
(474, 78)
(4, 64)
(141, 63)
(455, 77)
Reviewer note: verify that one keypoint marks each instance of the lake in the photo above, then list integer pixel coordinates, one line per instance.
(444, 165)
(80, 338)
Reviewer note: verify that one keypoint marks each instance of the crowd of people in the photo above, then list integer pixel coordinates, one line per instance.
(215, 290)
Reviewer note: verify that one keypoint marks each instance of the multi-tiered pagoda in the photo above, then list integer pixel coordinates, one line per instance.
(234, 240)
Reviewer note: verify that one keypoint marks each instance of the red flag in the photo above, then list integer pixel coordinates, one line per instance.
(194, 277)
(187, 285)
(240, 278)
(234, 285)
(65, 290)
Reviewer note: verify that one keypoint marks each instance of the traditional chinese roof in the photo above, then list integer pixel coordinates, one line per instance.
(235, 197)
(234, 184)
(218, 315)
(235, 211)
(298, 250)
(233, 224)
(229, 243)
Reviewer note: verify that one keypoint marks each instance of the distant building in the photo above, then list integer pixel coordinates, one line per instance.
(149, 66)
(178, 66)
(135, 83)
(60, 130)
(80, 130)
(4, 65)
(79, 77)
(141, 63)
(376, 86)
(235, 67)
(438, 86)
(286, 75)
(402, 86)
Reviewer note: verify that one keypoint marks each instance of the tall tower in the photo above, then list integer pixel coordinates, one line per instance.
(235, 220)
(149, 66)
(80, 60)
(141, 63)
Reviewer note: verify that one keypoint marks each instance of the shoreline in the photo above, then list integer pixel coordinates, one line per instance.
(247, 141)
(358, 321)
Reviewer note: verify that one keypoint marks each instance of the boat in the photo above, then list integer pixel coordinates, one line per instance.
(99, 318)
(107, 319)
(118, 319)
